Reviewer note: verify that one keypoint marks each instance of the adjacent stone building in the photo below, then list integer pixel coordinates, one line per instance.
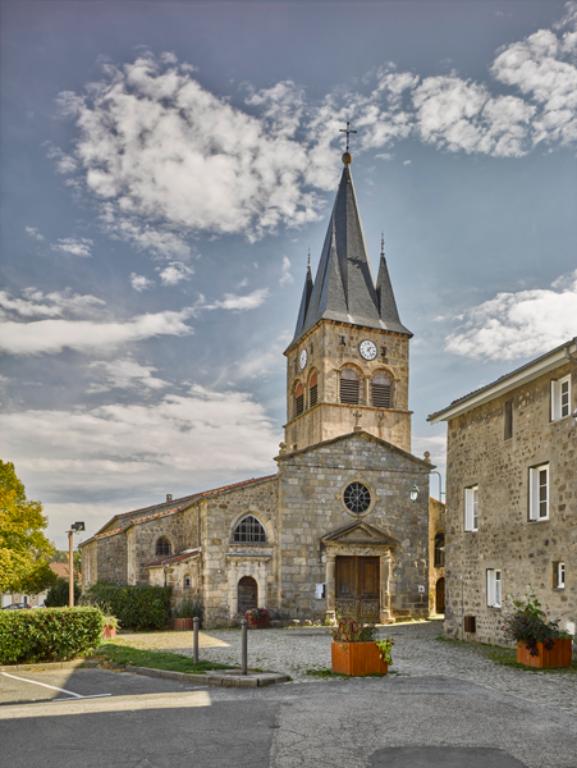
(342, 527)
(511, 519)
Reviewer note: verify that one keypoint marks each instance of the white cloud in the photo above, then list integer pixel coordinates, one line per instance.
(125, 373)
(239, 303)
(187, 441)
(53, 336)
(286, 277)
(75, 246)
(34, 234)
(140, 282)
(64, 164)
(518, 324)
(36, 303)
(175, 272)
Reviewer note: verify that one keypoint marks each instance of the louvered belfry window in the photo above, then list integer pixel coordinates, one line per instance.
(349, 386)
(381, 391)
(313, 389)
(299, 399)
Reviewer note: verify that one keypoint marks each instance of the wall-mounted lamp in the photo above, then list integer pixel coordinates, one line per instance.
(414, 493)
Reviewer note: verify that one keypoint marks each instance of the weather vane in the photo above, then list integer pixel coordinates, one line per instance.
(348, 132)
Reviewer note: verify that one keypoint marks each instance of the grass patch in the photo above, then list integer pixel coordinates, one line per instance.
(123, 655)
(322, 672)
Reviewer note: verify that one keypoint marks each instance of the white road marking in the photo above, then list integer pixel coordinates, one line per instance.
(71, 694)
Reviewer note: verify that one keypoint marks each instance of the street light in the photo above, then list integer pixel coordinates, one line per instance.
(74, 528)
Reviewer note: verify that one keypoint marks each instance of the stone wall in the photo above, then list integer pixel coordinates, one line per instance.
(180, 528)
(436, 526)
(327, 355)
(225, 562)
(111, 563)
(524, 551)
(311, 507)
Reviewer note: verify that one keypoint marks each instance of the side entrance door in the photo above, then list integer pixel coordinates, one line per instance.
(357, 582)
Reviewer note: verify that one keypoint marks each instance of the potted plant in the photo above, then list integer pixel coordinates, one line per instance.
(111, 624)
(258, 618)
(184, 615)
(355, 651)
(540, 643)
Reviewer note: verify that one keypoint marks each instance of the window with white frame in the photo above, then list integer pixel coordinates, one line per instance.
(560, 398)
(559, 575)
(494, 588)
(539, 493)
(472, 508)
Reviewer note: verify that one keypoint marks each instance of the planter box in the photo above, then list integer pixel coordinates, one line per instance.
(108, 632)
(182, 624)
(559, 655)
(357, 659)
(258, 623)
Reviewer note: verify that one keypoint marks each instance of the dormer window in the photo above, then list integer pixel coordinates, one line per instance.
(349, 388)
(381, 390)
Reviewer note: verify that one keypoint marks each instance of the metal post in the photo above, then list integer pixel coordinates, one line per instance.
(243, 647)
(195, 628)
(70, 569)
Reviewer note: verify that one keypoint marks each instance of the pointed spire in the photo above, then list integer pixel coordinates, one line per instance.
(343, 288)
(305, 299)
(388, 311)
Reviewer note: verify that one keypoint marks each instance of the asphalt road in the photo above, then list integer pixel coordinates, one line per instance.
(102, 719)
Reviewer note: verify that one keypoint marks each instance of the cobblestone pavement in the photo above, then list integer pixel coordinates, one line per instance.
(417, 653)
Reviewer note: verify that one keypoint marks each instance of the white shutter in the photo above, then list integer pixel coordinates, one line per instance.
(490, 586)
(554, 416)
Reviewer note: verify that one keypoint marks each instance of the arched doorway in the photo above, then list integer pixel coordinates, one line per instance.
(440, 596)
(247, 594)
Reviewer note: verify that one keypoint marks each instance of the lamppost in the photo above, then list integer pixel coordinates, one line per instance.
(74, 528)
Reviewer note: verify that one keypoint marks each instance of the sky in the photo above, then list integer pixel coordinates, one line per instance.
(166, 167)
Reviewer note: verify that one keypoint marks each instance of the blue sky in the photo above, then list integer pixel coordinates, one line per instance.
(167, 166)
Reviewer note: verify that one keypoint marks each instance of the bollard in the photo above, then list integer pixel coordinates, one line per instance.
(243, 647)
(195, 627)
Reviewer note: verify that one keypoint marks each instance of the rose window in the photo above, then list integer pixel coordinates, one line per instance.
(357, 498)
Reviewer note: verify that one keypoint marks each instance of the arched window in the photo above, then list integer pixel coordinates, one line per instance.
(163, 548)
(299, 399)
(349, 388)
(439, 550)
(249, 531)
(381, 390)
(313, 389)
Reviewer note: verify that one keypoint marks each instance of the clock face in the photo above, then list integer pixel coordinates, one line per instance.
(368, 349)
(303, 357)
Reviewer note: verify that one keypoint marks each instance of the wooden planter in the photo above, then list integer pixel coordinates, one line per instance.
(182, 624)
(108, 632)
(558, 656)
(357, 659)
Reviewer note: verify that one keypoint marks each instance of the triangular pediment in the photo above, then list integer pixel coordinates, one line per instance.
(360, 532)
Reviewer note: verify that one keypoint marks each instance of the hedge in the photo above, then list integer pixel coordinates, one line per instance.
(58, 594)
(136, 607)
(48, 634)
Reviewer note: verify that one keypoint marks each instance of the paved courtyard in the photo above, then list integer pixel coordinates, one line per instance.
(417, 653)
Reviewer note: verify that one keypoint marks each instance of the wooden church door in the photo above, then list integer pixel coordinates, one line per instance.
(357, 587)
(247, 594)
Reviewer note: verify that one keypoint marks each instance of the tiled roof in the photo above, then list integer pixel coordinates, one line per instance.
(167, 508)
(177, 558)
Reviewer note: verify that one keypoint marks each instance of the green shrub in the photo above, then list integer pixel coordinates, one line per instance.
(136, 607)
(58, 594)
(48, 634)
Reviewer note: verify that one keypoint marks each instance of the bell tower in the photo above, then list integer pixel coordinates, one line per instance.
(348, 362)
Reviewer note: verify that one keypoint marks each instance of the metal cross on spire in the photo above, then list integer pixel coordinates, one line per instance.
(348, 132)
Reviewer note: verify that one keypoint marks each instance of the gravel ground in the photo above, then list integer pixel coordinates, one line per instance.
(417, 653)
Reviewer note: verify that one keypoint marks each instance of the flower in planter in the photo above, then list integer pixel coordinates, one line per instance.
(528, 625)
(350, 630)
(257, 615)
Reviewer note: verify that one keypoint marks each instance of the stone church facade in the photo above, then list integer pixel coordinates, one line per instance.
(342, 526)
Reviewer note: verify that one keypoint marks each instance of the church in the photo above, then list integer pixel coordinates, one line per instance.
(342, 526)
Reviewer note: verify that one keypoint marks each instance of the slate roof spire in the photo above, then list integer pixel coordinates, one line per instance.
(343, 288)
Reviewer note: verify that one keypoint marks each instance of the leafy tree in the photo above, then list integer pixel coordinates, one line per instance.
(24, 549)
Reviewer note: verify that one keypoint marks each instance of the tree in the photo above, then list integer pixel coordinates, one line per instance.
(58, 594)
(24, 549)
